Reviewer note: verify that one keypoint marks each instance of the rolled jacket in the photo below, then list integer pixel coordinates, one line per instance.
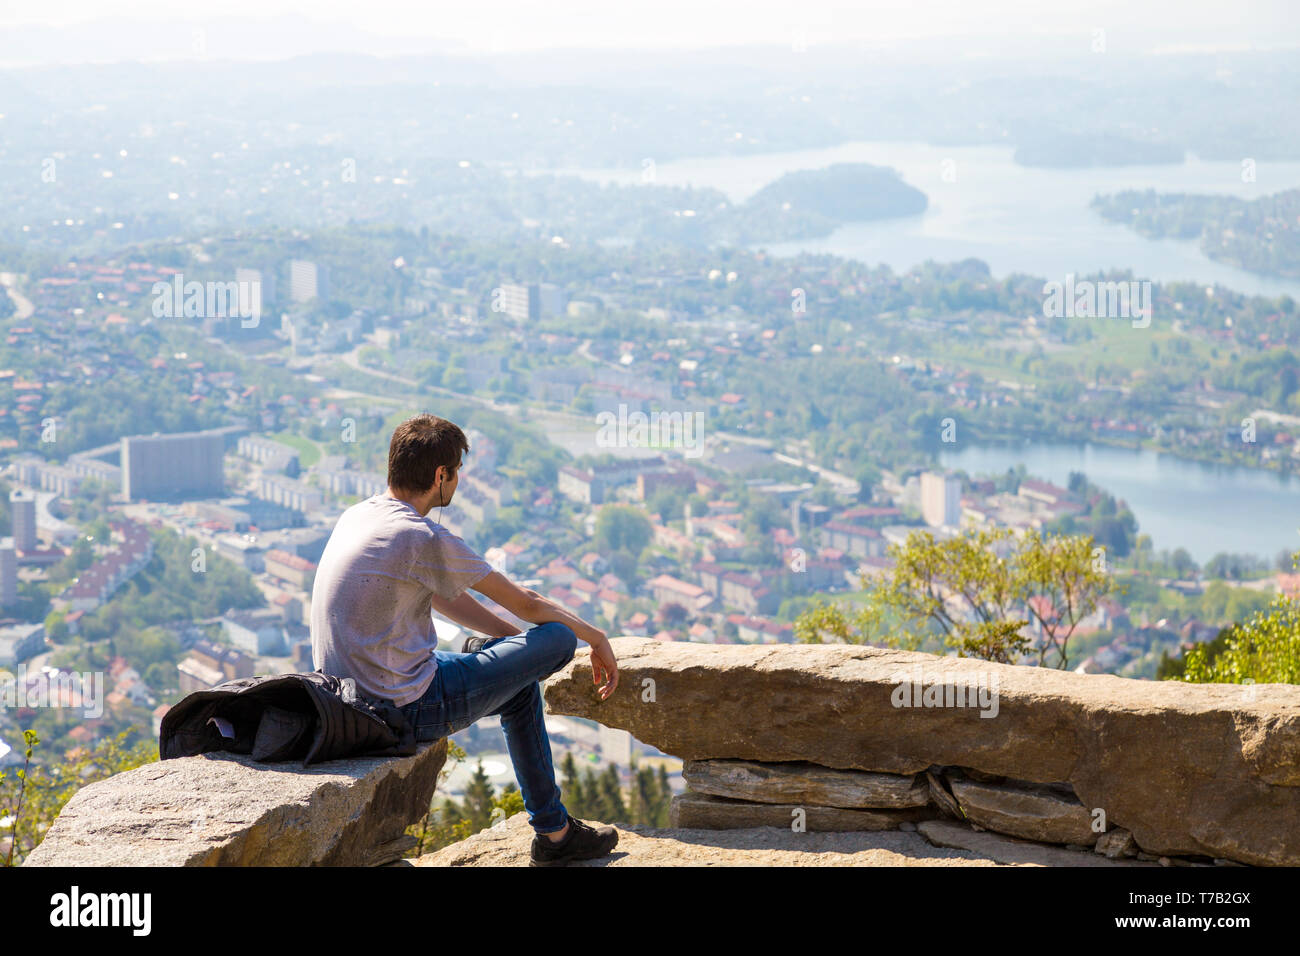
(310, 717)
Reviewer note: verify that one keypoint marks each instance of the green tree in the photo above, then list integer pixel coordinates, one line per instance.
(664, 798)
(674, 614)
(573, 794)
(1184, 565)
(56, 626)
(478, 799)
(975, 593)
(624, 565)
(610, 805)
(1174, 667)
(1060, 579)
(667, 504)
(646, 802)
(622, 528)
(1264, 649)
(35, 796)
(450, 822)
(13, 812)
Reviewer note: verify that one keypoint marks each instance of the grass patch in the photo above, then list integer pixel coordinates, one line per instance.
(308, 451)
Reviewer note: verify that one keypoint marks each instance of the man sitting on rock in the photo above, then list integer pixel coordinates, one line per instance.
(387, 565)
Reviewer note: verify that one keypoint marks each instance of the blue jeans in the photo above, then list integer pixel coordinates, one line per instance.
(503, 678)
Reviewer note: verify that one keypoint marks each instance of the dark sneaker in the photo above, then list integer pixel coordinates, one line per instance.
(580, 843)
(474, 645)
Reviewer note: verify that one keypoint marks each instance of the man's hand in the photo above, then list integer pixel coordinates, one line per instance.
(528, 605)
(604, 669)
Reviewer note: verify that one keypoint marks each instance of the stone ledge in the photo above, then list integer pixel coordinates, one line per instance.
(1196, 770)
(508, 843)
(707, 812)
(801, 784)
(1003, 849)
(225, 809)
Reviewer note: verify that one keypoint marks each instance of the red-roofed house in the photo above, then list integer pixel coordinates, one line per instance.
(290, 567)
(667, 589)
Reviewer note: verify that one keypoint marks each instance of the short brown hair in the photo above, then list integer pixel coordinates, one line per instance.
(419, 446)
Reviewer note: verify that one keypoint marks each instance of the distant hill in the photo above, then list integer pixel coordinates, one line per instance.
(1069, 150)
(846, 192)
(1260, 235)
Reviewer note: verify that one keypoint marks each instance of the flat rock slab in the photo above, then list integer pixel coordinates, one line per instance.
(804, 784)
(508, 844)
(993, 846)
(1190, 769)
(225, 809)
(1030, 814)
(706, 812)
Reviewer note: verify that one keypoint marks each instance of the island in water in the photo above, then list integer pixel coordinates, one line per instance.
(846, 192)
(1259, 235)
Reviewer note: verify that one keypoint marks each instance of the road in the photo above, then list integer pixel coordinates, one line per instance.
(22, 305)
(553, 422)
(843, 482)
(513, 410)
(850, 486)
(353, 361)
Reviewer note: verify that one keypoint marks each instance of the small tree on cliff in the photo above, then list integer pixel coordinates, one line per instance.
(574, 795)
(610, 800)
(477, 805)
(1263, 650)
(976, 593)
(32, 797)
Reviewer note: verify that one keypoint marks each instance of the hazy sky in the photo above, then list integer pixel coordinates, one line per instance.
(502, 25)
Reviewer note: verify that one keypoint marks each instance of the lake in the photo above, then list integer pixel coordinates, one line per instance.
(983, 205)
(1037, 221)
(1203, 508)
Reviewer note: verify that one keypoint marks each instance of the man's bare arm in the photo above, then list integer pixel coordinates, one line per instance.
(536, 608)
(527, 604)
(468, 613)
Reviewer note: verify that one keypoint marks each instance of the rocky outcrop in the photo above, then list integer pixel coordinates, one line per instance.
(706, 812)
(1046, 814)
(507, 844)
(1116, 843)
(803, 783)
(1000, 849)
(1209, 771)
(794, 755)
(224, 809)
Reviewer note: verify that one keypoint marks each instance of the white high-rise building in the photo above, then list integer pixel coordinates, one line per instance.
(615, 744)
(307, 281)
(940, 499)
(22, 508)
(521, 301)
(185, 465)
(552, 299)
(252, 292)
(8, 573)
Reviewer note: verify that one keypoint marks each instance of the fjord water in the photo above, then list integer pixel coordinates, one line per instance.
(1037, 221)
(984, 205)
(1179, 503)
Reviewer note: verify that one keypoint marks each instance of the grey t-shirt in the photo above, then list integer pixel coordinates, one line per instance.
(370, 610)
